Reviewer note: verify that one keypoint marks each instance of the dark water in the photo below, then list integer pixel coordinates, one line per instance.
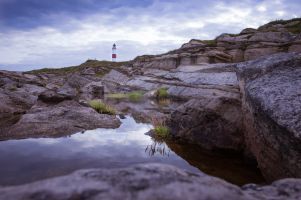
(27, 160)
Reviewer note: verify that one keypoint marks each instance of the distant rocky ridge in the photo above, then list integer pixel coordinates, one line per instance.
(239, 92)
(274, 37)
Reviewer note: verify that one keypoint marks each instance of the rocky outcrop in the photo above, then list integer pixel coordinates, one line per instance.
(64, 118)
(211, 123)
(275, 37)
(152, 181)
(272, 113)
(18, 93)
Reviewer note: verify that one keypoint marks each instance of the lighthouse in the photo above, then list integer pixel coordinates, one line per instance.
(114, 55)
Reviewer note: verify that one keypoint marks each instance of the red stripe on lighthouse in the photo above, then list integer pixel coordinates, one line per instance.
(114, 56)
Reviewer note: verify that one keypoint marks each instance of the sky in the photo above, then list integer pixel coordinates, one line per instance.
(57, 33)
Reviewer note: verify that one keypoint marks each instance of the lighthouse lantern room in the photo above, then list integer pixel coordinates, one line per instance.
(114, 55)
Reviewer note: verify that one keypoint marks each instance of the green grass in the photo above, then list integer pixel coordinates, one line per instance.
(162, 93)
(117, 96)
(134, 96)
(63, 70)
(160, 128)
(163, 102)
(295, 29)
(101, 68)
(211, 43)
(162, 131)
(281, 21)
(101, 107)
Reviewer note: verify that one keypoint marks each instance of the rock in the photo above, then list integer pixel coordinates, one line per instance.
(276, 37)
(254, 53)
(227, 38)
(94, 90)
(192, 43)
(237, 55)
(77, 81)
(147, 182)
(248, 31)
(73, 84)
(219, 57)
(272, 113)
(50, 96)
(295, 48)
(116, 77)
(67, 90)
(185, 59)
(65, 118)
(212, 123)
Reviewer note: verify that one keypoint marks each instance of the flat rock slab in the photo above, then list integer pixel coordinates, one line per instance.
(198, 78)
(146, 182)
(65, 118)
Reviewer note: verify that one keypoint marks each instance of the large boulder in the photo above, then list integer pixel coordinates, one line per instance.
(64, 118)
(147, 182)
(272, 113)
(213, 123)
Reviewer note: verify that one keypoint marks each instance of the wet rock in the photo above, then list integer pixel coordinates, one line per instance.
(211, 123)
(51, 96)
(65, 118)
(271, 105)
(67, 90)
(151, 181)
(94, 90)
(73, 84)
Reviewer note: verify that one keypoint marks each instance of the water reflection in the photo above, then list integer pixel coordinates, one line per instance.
(33, 159)
(28, 160)
(157, 147)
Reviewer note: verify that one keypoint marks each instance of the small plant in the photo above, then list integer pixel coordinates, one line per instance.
(162, 93)
(132, 96)
(13, 88)
(101, 107)
(210, 43)
(160, 128)
(117, 96)
(135, 96)
(164, 102)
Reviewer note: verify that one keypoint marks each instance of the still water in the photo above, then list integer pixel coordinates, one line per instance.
(27, 160)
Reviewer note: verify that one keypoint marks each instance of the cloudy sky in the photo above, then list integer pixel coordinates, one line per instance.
(56, 33)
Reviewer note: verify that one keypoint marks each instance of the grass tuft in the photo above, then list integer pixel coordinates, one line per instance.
(101, 107)
(132, 96)
(135, 96)
(160, 128)
(117, 96)
(162, 93)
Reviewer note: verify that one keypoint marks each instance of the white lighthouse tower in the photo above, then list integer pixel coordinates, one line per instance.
(114, 55)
